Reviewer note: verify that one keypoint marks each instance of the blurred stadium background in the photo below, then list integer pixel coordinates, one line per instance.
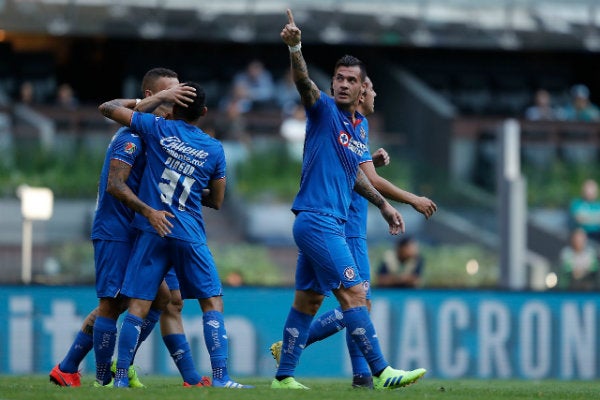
(448, 74)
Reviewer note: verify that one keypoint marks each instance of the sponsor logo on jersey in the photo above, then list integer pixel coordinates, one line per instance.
(344, 138)
(130, 148)
(349, 273)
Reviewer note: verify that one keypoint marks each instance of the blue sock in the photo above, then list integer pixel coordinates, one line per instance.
(216, 341)
(180, 351)
(105, 337)
(360, 327)
(128, 338)
(295, 333)
(360, 367)
(147, 327)
(325, 325)
(82, 345)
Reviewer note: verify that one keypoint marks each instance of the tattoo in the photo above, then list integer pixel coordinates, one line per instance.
(88, 329)
(364, 187)
(109, 107)
(309, 92)
(117, 176)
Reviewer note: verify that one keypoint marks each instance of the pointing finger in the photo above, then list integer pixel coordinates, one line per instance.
(290, 17)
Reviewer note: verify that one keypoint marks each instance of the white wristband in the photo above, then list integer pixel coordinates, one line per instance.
(296, 48)
(137, 101)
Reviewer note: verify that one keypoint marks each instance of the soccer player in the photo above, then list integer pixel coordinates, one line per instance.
(124, 164)
(332, 321)
(182, 161)
(333, 149)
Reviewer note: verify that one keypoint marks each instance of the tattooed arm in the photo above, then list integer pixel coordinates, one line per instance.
(117, 186)
(364, 187)
(120, 110)
(291, 34)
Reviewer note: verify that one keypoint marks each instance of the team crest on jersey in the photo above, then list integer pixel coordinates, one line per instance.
(349, 273)
(130, 148)
(344, 138)
(363, 133)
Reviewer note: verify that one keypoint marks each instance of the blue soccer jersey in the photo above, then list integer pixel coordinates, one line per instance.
(332, 151)
(356, 226)
(180, 161)
(112, 218)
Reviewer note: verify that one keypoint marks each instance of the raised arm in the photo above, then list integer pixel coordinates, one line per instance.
(363, 187)
(120, 110)
(291, 35)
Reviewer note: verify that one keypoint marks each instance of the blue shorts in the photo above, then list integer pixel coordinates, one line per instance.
(171, 279)
(358, 247)
(324, 259)
(153, 256)
(110, 257)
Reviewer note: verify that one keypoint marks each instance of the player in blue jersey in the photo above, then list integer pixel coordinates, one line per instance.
(332, 321)
(333, 149)
(122, 169)
(182, 162)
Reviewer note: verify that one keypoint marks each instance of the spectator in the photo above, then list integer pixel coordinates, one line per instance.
(234, 278)
(286, 94)
(65, 97)
(27, 93)
(402, 268)
(542, 109)
(231, 122)
(293, 130)
(581, 108)
(259, 84)
(578, 263)
(584, 212)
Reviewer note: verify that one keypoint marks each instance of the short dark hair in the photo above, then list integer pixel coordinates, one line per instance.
(351, 61)
(195, 109)
(154, 75)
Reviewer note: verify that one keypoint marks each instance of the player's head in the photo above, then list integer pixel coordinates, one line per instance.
(349, 75)
(366, 102)
(156, 80)
(195, 109)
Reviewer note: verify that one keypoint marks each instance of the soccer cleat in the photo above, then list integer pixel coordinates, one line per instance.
(229, 384)
(61, 378)
(134, 380)
(204, 382)
(108, 385)
(392, 378)
(276, 351)
(362, 382)
(287, 383)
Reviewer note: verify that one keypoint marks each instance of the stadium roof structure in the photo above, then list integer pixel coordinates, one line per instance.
(504, 24)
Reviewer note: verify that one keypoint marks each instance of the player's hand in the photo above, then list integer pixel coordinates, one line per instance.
(180, 94)
(393, 218)
(159, 221)
(425, 206)
(291, 34)
(380, 158)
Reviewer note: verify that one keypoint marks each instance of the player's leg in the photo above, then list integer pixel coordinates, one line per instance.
(198, 278)
(66, 372)
(173, 335)
(110, 261)
(148, 264)
(359, 325)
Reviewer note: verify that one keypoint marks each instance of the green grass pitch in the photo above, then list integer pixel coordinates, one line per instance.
(170, 388)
